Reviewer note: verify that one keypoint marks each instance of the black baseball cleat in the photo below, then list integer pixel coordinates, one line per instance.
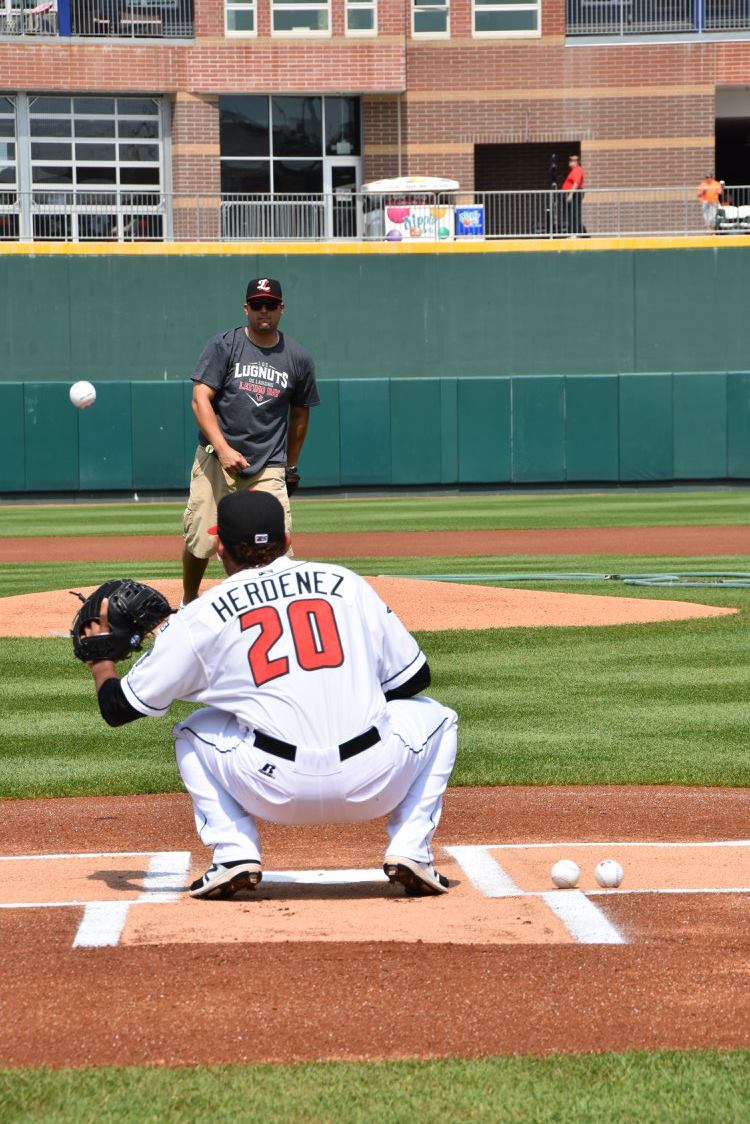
(224, 880)
(418, 879)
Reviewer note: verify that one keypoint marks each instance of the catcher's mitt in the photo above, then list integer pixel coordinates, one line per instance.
(292, 480)
(134, 609)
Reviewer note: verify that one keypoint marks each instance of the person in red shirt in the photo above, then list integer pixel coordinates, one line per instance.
(572, 189)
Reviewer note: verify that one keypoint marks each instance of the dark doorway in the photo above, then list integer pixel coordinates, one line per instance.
(733, 157)
(532, 168)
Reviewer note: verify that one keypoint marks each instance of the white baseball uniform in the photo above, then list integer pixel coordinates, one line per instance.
(293, 662)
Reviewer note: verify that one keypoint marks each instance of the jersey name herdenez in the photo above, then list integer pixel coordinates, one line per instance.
(303, 651)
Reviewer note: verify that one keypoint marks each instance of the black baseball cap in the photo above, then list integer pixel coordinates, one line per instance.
(263, 287)
(251, 517)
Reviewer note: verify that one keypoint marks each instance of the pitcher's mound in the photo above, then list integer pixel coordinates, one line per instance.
(427, 605)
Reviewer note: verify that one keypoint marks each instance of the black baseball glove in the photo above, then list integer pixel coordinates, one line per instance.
(134, 609)
(292, 479)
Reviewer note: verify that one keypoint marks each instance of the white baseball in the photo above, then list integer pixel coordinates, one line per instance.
(82, 394)
(608, 873)
(565, 874)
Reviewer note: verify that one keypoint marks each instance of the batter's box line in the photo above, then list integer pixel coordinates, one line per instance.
(103, 922)
(583, 920)
(585, 923)
(89, 855)
(614, 843)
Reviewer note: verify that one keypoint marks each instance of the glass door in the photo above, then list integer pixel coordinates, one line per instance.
(343, 207)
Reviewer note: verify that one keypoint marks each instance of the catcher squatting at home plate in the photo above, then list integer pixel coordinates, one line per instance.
(311, 685)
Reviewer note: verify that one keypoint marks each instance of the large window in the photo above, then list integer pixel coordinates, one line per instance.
(86, 142)
(430, 18)
(300, 17)
(89, 167)
(9, 210)
(279, 144)
(506, 18)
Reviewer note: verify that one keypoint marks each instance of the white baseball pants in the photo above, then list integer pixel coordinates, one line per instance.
(231, 781)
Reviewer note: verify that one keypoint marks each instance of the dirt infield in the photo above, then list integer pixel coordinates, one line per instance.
(189, 982)
(428, 605)
(666, 541)
(108, 962)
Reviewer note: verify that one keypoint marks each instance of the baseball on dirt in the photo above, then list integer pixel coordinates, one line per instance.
(608, 873)
(565, 874)
(82, 394)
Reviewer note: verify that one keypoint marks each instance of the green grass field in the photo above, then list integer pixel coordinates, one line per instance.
(471, 511)
(636, 704)
(705, 1087)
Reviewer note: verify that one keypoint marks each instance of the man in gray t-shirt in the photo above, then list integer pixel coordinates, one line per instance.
(252, 392)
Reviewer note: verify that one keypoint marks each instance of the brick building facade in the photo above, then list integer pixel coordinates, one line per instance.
(487, 110)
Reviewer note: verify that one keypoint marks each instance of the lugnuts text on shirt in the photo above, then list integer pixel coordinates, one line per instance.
(260, 381)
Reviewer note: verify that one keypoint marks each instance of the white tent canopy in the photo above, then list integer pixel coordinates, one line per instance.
(402, 185)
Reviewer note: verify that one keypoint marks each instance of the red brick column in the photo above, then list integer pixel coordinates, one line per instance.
(196, 170)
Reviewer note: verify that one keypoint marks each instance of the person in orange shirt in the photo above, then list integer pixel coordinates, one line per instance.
(572, 189)
(710, 191)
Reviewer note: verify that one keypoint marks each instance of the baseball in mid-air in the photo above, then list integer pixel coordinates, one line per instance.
(82, 394)
(565, 874)
(608, 873)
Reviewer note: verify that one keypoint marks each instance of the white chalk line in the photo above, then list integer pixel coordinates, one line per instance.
(325, 877)
(610, 843)
(83, 855)
(103, 922)
(585, 923)
(521, 894)
(583, 920)
(484, 871)
(102, 925)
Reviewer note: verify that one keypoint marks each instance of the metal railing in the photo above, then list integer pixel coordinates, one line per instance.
(132, 19)
(29, 19)
(655, 17)
(153, 216)
(102, 19)
(68, 216)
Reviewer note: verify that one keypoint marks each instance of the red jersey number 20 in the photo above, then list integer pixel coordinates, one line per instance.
(314, 631)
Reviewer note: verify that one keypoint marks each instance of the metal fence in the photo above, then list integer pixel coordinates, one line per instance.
(110, 19)
(650, 17)
(29, 19)
(143, 216)
(132, 19)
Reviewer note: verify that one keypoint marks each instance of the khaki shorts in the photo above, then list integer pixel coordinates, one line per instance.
(208, 484)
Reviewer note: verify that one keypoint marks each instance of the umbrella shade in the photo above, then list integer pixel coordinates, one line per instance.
(409, 184)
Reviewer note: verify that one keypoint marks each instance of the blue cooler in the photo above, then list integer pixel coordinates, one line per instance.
(470, 221)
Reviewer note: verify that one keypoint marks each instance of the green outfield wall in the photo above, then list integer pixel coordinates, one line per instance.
(141, 436)
(586, 361)
(381, 312)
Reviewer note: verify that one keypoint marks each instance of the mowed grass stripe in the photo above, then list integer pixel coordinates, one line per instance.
(464, 511)
(53, 741)
(37, 577)
(660, 703)
(709, 1086)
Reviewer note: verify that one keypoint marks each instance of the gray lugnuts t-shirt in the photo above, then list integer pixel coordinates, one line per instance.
(256, 386)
